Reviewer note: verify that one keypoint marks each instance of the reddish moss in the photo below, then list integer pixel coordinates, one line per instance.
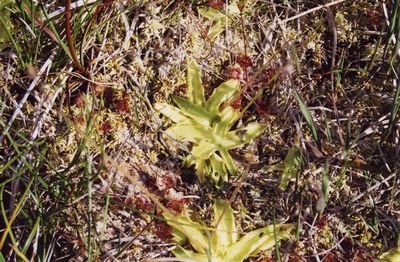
(263, 108)
(234, 73)
(148, 181)
(140, 202)
(79, 101)
(244, 61)
(163, 231)
(216, 4)
(237, 104)
(105, 126)
(122, 106)
(169, 181)
(177, 204)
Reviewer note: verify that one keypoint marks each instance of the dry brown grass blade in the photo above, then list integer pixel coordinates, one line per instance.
(312, 10)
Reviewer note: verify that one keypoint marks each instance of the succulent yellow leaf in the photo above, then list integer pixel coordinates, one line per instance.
(194, 111)
(184, 253)
(219, 171)
(188, 132)
(226, 234)
(216, 29)
(203, 150)
(228, 117)
(218, 18)
(211, 14)
(195, 87)
(391, 256)
(194, 231)
(228, 160)
(244, 135)
(233, 9)
(258, 240)
(171, 112)
(225, 92)
(202, 169)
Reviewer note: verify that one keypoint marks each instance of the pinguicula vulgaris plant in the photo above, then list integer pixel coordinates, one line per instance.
(221, 242)
(207, 124)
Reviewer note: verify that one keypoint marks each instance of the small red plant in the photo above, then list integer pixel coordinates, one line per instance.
(177, 204)
(140, 202)
(234, 73)
(237, 104)
(169, 181)
(148, 181)
(263, 108)
(362, 256)
(143, 203)
(80, 120)
(266, 76)
(323, 221)
(129, 200)
(79, 101)
(374, 17)
(216, 4)
(163, 231)
(122, 106)
(244, 61)
(105, 126)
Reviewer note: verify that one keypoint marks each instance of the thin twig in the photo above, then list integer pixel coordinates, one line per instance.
(372, 188)
(74, 5)
(312, 10)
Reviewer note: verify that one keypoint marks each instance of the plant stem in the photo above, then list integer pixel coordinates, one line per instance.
(68, 32)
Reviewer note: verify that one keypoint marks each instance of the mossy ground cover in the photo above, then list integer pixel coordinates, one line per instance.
(84, 154)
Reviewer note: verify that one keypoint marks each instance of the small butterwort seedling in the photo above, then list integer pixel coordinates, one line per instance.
(218, 16)
(221, 242)
(207, 125)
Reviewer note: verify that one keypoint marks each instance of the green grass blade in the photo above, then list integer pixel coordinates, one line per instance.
(31, 236)
(394, 109)
(2, 259)
(307, 116)
(15, 213)
(13, 41)
(58, 37)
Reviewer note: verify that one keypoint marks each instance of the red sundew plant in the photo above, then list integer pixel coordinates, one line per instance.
(216, 4)
(163, 231)
(244, 61)
(234, 73)
(122, 106)
(105, 127)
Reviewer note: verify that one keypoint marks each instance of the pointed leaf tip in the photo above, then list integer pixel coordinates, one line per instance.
(225, 92)
(195, 87)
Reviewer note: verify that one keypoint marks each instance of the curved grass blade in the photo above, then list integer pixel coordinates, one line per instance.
(307, 116)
